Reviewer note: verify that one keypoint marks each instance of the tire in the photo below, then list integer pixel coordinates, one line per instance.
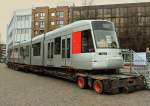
(98, 86)
(82, 82)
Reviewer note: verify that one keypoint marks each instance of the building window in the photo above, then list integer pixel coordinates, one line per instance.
(19, 18)
(123, 12)
(99, 13)
(52, 23)
(141, 21)
(36, 32)
(107, 12)
(84, 14)
(57, 45)
(115, 12)
(60, 14)
(41, 32)
(22, 31)
(147, 11)
(123, 22)
(52, 14)
(57, 22)
(36, 23)
(18, 31)
(132, 11)
(117, 22)
(60, 22)
(26, 31)
(141, 11)
(76, 14)
(42, 24)
(57, 14)
(92, 14)
(27, 17)
(147, 20)
(36, 49)
(36, 14)
(42, 15)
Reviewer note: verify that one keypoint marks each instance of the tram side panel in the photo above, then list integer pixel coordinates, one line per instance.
(37, 51)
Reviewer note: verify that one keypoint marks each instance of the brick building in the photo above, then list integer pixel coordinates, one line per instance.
(46, 19)
(132, 21)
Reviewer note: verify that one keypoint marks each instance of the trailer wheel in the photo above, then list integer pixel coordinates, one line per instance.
(82, 83)
(98, 86)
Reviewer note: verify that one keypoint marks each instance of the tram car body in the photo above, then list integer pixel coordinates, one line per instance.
(85, 45)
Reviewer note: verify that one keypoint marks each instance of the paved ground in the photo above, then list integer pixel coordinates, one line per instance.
(25, 89)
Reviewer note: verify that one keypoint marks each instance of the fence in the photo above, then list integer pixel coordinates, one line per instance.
(137, 63)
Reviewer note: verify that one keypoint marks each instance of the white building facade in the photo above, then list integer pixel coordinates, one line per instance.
(20, 27)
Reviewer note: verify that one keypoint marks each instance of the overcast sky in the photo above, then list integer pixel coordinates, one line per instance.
(8, 6)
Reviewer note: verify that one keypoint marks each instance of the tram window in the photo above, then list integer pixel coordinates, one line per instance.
(52, 49)
(21, 51)
(36, 49)
(48, 50)
(68, 47)
(27, 51)
(16, 50)
(87, 42)
(63, 48)
(57, 45)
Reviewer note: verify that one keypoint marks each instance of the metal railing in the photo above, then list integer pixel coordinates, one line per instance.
(134, 63)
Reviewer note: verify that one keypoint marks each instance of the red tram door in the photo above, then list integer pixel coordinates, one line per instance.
(76, 42)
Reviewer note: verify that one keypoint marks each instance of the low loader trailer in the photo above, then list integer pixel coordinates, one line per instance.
(111, 83)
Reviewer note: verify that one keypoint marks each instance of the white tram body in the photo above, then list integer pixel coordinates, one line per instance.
(85, 45)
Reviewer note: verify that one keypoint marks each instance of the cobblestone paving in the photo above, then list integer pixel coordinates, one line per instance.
(26, 89)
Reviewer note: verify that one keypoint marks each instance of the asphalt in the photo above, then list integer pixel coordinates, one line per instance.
(26, 89)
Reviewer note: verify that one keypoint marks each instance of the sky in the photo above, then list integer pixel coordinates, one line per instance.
(8, 6)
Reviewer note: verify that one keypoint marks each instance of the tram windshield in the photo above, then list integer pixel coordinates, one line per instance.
(105, 35)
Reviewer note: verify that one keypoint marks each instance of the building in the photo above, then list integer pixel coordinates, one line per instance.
(132, 21)
(19, 28)
(40, 20)
(2, 53)
(45, 19)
